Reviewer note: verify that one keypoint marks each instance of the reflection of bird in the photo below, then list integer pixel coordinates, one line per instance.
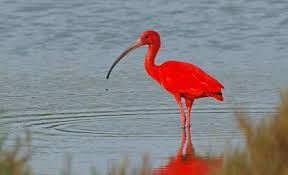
(187, 163)
(179, 78)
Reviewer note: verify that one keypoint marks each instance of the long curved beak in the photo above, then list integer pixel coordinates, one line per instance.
(132, 47)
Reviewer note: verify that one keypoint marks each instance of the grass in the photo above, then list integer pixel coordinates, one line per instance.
(14, 161)
(265, 152)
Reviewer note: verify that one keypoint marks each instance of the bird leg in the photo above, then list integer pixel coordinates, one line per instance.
(183, 117)
(189, 147)
(181, 148)
(188, 103)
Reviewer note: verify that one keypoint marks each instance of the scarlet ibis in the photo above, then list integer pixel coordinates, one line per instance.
(181, 79)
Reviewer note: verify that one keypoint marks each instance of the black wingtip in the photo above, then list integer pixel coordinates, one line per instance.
(218, 93)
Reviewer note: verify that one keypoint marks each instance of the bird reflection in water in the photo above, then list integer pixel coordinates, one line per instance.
(187, 163)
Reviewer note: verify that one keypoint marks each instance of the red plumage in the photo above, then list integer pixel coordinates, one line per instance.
(188, 81)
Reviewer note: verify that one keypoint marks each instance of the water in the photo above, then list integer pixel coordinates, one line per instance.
(55, 56)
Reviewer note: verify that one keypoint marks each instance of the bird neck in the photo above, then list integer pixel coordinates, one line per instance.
(149, 61)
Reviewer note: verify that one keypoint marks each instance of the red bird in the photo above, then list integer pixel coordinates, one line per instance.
(181, 79)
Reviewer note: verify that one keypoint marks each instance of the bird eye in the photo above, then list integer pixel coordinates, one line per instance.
(146, 36)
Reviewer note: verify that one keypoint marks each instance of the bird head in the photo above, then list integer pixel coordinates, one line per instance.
(148, 37)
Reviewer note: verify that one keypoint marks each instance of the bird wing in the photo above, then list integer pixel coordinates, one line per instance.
(186, 77)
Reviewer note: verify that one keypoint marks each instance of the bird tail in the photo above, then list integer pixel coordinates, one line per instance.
(216, 95)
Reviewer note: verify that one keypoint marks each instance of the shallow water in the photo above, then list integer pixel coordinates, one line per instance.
(55, 56)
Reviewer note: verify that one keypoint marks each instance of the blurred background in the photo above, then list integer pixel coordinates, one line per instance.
(55, 55)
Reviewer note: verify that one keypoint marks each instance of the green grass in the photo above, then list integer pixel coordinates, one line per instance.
(266, 149)
(14, 161)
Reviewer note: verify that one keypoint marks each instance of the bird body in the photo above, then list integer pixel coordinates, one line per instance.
(181, 79)
(188, 80)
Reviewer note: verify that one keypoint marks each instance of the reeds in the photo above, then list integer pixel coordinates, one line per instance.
(266, 150)
(14, 161)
